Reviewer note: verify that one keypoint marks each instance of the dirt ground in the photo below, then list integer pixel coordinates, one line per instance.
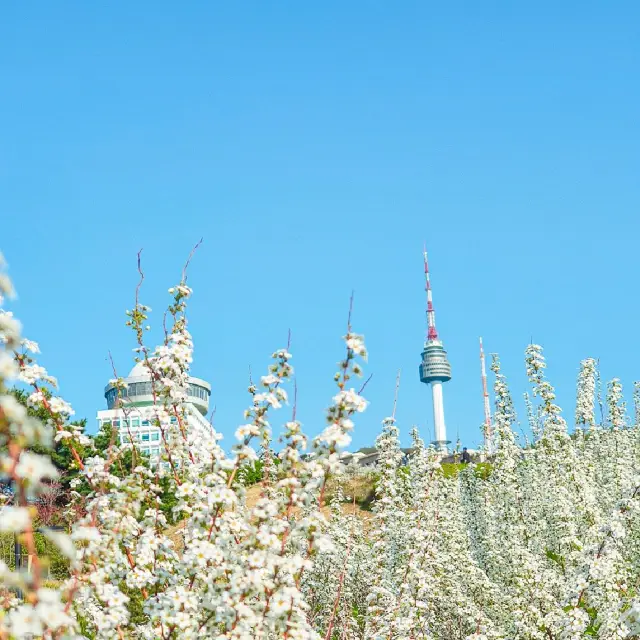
(253, 495)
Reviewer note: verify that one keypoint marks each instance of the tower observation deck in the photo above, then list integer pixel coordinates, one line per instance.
(434, 367)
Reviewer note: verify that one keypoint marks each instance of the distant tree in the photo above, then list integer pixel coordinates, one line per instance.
(126, 460)
(60, 453)
(48, 504)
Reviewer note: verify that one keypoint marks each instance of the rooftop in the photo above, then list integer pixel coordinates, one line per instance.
(139, 371)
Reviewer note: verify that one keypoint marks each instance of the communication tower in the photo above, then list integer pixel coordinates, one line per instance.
(434, 368)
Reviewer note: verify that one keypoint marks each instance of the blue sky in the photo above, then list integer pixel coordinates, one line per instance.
(315, 146)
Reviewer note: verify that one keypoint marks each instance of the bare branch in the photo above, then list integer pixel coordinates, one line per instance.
(366, 382)
(141, 278)
(212, 416)
(186, 264)
(295, 401)
(395, 397)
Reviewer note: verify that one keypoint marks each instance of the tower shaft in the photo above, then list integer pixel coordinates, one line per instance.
(438, 415)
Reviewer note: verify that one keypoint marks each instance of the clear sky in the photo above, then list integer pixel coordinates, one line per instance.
(315, 146)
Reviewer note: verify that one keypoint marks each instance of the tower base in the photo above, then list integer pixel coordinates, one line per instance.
(441, 445)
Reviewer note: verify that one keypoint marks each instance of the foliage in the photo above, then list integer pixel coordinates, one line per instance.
(253, 472)
(55, 564)
(354, 484)
(59, 452)
(452, 469)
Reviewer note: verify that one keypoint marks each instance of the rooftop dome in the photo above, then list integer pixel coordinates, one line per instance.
(138, 390)
(139, 371)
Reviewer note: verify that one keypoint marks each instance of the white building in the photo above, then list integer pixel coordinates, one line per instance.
(132, 412)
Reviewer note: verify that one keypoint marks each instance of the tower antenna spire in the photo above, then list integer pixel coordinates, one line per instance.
(488, 432)
(432, 333)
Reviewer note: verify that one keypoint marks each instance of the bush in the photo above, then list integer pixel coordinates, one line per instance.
(452, 469)
(54, 564)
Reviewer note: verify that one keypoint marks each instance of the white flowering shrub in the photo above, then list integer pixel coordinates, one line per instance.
(544, 543)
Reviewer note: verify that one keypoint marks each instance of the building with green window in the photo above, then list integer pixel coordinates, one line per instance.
(131, 410)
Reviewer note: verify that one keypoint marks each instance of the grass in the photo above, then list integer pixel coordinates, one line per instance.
(452, 469)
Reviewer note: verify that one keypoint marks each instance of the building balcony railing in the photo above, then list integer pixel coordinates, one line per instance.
(139, 390)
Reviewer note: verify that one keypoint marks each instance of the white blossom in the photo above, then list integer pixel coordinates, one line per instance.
(34, 467)
(541, 542)
(14, 519)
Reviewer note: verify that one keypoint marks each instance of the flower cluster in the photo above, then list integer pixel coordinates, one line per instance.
(586, 393)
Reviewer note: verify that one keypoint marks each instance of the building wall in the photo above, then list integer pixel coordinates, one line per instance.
(135, 425)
